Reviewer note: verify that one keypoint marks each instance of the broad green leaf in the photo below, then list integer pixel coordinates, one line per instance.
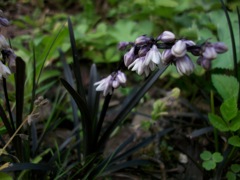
(112, 55)
(231, 176)
(5, 176)
(124, 31)
(217, 157)
(209, 165)
(229, 108)
(218, 18)
(206, 155)
(226, 86)
(235, 168)
(218, 122)
(234, 141)
(235, 123)
(167, 3)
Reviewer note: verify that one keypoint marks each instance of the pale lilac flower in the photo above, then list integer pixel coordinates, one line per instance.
(112, 81)
(140, 67)
(141, 40)
(143, 51)
(206, 64)
(121, 77)
(179, 49)
(3, 42)
(153, 55)
(105, 85)
(129, 57)
(184, 65)
(167, 56)
(166, 37)
(189, 43)
(4, 21)
(4, 70)
(123, 45)
(220, 47)
(209, 53)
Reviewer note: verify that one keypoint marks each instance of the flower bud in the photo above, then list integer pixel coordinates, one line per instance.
(129, 57)
(206, 64)
(179, 48)
(4, 70)
(209, 53)
(143, 51)
(3, 42)
(220, 47)
(121, 77)
(196, 51)
(141, 40)
(4, 21)
(199, 60)
(115, 84)
(12, 60)
(166, 37)
(123, 45)
(184, 65)
(167, 56)
(153, 55)
(189, 43)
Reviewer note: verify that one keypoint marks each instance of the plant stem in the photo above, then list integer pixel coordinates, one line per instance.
(14, 134)
(215, 131)
(7, 103)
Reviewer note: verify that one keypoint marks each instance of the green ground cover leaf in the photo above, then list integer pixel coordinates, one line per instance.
(226, 86)
(234, 141)
(229, 108)
(218, 122)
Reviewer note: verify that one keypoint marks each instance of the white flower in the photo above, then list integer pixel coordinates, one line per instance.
(105, 85)
(139, 66)
(179, 49)
(4, 70)
(153, 55)
(121, 77)
(184, 65)
(112, 81)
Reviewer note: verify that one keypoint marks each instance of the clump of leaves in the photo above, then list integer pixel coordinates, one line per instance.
(210, 160)
(234, 172)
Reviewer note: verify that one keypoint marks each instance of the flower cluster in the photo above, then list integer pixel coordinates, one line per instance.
(144, 56)
(7, 54)
(114, 80)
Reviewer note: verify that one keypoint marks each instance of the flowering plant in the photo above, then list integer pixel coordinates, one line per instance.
(144, 56)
